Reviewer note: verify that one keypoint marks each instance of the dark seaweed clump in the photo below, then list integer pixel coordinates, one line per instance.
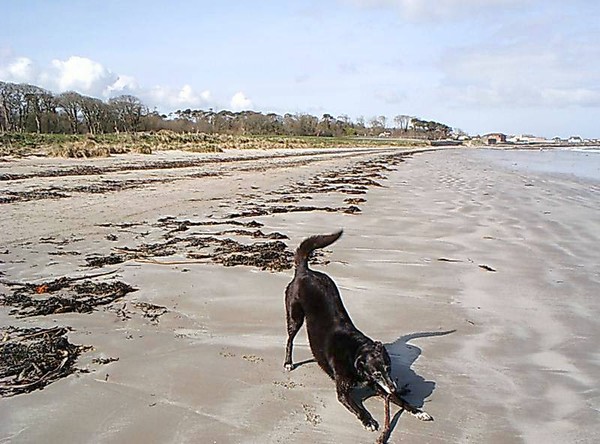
(32, 358)
(273, 256)
(63, 296)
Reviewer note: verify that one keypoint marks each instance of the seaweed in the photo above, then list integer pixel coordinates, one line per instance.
(101, 261)
(151, 311)
(32, 358)
(273, 256)
(62, 295)
(262, 210)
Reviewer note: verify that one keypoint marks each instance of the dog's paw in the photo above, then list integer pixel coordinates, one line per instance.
(370, 424)
(424, 416)
(288, 367)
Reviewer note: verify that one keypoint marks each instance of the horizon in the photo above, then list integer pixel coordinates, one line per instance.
(516, 67)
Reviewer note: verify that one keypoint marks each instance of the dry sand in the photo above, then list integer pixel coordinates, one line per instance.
(521, 366)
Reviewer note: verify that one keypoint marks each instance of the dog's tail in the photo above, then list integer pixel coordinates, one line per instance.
(312, 243)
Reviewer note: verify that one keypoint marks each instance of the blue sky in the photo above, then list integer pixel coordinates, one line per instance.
(516, 66)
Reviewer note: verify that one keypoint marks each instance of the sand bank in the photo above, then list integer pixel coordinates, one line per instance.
(482, 281)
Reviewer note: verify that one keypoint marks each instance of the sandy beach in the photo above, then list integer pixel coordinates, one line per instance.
(481, 279)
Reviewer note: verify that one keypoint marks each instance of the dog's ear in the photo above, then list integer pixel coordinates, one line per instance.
(359, 363)
(380, 348)
(382, 352)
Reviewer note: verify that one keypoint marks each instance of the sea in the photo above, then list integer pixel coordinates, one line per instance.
(580, 162)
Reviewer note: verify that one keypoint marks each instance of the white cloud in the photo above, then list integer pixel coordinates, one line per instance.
(123, 85)
(391, 97)
(83, 75)
(89, 77)
(517, 75)
(186, 95)
(19, 70)
(439, 9)
(240, 102)
(169, 98)
(76, 73)
(572, 96)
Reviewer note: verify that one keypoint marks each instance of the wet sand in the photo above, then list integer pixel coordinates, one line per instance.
(481, 281)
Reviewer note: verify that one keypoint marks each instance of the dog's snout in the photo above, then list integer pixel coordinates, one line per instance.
(387, 384)
(385, 387)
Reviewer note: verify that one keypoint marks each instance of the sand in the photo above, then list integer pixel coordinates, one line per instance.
(482, 282)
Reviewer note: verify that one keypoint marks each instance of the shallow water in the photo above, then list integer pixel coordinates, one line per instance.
(583, 164)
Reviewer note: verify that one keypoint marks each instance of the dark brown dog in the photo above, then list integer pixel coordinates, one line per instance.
(348, 356)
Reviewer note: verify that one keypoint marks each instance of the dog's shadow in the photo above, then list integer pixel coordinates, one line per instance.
(403, 356)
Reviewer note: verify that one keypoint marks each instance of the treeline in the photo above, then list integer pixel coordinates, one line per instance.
(251, 122)
(29, 108)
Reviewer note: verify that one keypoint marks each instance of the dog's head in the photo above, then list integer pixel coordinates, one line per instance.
(373, 365)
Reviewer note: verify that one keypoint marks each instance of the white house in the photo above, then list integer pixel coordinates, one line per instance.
(575, 139)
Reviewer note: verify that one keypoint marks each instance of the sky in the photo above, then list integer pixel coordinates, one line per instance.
(511, 66)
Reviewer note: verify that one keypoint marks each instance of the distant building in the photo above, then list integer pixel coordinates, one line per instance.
(494, 138)
(575, 139)
(528, 139)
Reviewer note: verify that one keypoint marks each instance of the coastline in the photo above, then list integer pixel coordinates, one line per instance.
(519, 367)
(579, 163)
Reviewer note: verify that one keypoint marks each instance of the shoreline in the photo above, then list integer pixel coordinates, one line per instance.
(519, 367)
(578, 164)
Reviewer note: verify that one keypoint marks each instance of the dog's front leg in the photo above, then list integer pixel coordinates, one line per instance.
(344, 390)
(397, 399)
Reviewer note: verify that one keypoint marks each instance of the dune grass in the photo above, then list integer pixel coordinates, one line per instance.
(103, 145)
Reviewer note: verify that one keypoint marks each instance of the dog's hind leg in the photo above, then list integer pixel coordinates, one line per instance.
(295, 319)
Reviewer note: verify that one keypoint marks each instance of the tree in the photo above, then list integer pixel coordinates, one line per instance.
(344, 126)
(324, 125)
(307, 125)
(95, 114)
(290, 123)
(431, 129)
(458, 132)
(402, 122)
(361, 127)
(32, 99)
(29, 108)
(9, 105)
(44, 104)
(18, 106)
(377, 124)
(70, 104)
(127, 112)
